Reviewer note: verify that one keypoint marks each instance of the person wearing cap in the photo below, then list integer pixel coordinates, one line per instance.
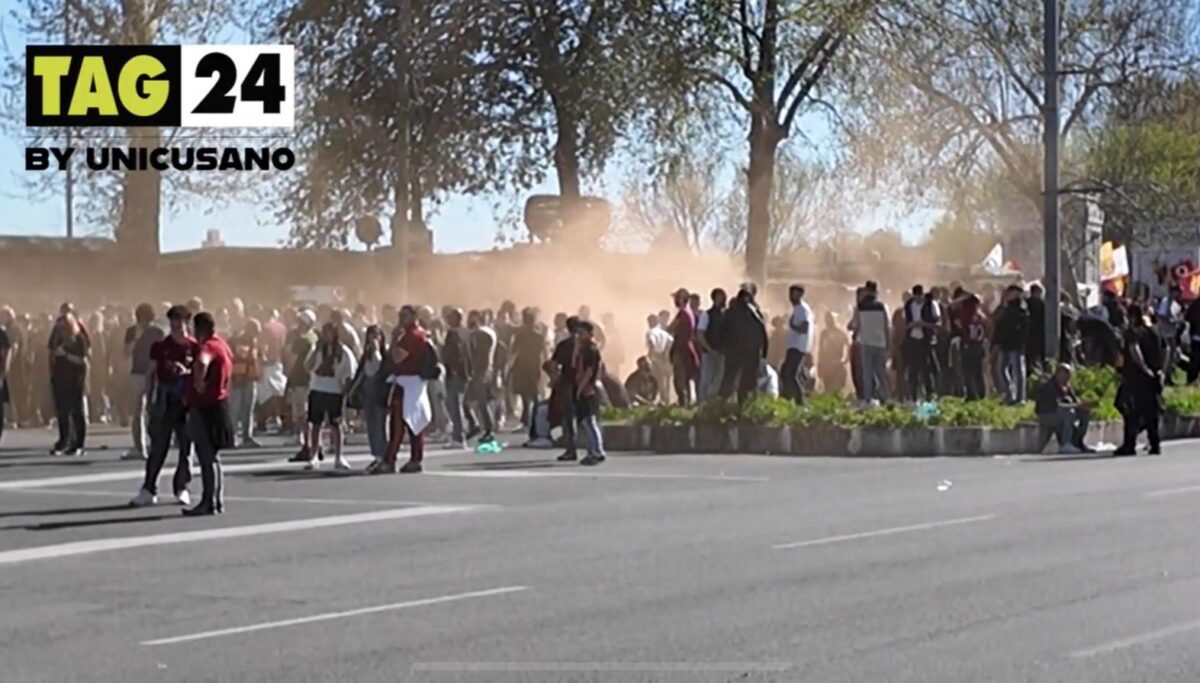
(172, 359)
(1060, 411)
(1139, 397)
(139, 338)
(303, 341)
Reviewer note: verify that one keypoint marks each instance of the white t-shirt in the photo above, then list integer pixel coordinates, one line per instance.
(343, 371)
(659, 341)
(801, 342)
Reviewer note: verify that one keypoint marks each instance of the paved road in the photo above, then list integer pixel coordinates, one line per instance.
(651, 568)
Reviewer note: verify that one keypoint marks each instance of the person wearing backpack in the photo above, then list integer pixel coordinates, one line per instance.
(414, 361)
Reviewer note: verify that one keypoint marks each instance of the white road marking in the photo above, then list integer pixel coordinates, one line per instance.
(527, 474)
(169, 500)
(334, 615)
(1137, 640)
(105, 544)
(1172, 492)
(607, 667)
(882, 532)
(140, 473)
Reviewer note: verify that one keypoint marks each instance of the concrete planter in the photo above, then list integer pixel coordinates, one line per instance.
(712, 438)
(622, 437)
(664, 439)
(825, 440)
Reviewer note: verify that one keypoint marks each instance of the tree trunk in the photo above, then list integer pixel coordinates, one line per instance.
(566, 151)
(760, 177)
(141, 199)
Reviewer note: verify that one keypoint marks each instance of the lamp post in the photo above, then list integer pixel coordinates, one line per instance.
(1050, 222)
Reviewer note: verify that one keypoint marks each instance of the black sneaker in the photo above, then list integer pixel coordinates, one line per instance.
(301, 455)
(201, 510)
(411, 467)
(1123, 452)
(568, 457)
(592, 460)
(1155, 451)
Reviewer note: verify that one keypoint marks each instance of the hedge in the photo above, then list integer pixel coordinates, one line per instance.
(1097, 385)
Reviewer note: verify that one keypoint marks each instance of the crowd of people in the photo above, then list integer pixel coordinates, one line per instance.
(206, 381)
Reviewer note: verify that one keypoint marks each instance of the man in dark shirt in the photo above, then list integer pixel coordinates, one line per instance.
(641, 385)
(746, 346)
(588, 366)
(1059, 409)
(1012, 328)
(1139, 397)
(456, 359)
(561, 368)
(1035, 340)
(710, 336)
(528, 352)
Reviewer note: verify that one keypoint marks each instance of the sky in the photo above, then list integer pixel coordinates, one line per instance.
(460, 223)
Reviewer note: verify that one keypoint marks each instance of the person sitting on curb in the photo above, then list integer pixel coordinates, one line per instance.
(1059, 409)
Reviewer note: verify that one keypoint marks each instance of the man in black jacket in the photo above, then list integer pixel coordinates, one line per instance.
(745, 345)
(457, 362)
(1035, 341)
(1009, 336)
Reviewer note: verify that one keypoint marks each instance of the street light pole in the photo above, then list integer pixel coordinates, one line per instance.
(1050, 223)
(70, 190)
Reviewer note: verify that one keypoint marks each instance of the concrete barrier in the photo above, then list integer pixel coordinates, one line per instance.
(826, 440)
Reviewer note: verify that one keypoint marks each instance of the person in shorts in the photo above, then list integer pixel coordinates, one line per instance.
(332, 366)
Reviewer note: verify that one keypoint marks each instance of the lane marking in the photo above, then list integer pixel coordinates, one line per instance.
(334, 615)
(528, 474)
(882, 532)
(168, 501)
(1137, 640)
(1172, 492)
(607, 667)
(124, 543)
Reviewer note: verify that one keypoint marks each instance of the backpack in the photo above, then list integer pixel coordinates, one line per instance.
(431, 367)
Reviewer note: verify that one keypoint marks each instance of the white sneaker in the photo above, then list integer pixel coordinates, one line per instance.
(183, 498)
(133, 454)
(143, 499)
(1069, 449)
(312, 464)
(341, 464)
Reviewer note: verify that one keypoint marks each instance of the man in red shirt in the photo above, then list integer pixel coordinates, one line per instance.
(209, 419)
(410, 416)
(172, 358)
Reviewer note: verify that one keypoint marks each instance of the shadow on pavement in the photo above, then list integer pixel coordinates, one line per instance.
(1069, 458)
(48, 461)
(51, 526)
(508, 465)
(64, 511)
(300, 475)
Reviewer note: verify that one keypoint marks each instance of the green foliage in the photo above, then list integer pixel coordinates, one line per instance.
(1183, 401)
(956, 412)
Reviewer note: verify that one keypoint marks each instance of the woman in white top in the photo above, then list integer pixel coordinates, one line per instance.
(332, 366)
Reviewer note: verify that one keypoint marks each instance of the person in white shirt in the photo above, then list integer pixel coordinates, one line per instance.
(799, 345)
(658, 350)
(332, 366)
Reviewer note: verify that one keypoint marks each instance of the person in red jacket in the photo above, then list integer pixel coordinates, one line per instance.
(409, 411)
(209, 419)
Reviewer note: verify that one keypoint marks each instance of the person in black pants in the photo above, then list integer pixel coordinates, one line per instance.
(746, 346)
(172, 358)
(69, 351)
(5, 365)
(561, 367)
(1139, 397)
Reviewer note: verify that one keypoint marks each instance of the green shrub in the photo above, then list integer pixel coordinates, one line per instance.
(1183, 401)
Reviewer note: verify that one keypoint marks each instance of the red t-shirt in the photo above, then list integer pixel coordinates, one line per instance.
(220, 370)
(413, 341)
(166, 353)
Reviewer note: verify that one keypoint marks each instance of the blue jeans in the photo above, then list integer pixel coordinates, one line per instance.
(712, 370)
(375, 416)
(1012, 376)
(591, 430)
(241, 402)
(455, 390)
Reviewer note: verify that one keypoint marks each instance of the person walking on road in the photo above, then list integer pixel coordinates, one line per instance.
(331, 365)
(209, 421)
(588, 364)
(1139, 397)
(172, 359)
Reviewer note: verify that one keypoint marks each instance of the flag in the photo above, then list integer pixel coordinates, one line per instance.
(993, 263)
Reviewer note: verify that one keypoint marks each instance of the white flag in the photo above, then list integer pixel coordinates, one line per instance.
(993, 264)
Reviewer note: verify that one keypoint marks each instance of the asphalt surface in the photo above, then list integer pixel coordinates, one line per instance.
(512, 567)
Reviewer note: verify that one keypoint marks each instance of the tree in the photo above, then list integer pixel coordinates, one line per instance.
(766, 58)
(684, 204)
(807, 207)
(957, 84)
(395, 113)
(132, 200)
(1145, 163)
(576, 77)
